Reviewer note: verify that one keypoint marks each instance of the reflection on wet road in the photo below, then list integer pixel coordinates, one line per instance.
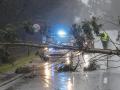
(48, 79)
(47, 74)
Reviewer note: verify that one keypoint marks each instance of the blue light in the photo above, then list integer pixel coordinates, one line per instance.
(62, 33)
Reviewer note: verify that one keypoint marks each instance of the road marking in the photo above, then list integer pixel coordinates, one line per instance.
(105, 80)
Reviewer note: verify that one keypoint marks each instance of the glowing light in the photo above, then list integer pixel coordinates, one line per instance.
(86, 43)
(68, 55)
(46, 64)
(86, 58)
(69, 84)
(46, 49)
(47, 74)
(67, 61)
(61, 33)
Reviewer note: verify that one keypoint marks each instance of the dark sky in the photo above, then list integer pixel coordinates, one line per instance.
(56, 11)
(15, 10)
(60, 11)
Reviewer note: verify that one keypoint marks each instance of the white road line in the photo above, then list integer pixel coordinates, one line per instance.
(105, 80)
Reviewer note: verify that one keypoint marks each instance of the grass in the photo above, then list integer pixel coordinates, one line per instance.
(19, 62)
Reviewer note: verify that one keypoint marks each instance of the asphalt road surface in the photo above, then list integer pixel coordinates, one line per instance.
(48, 79)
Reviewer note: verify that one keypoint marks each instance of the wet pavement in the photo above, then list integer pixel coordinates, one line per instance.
(48, 79)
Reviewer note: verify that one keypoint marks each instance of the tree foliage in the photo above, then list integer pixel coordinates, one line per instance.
(28, 27)
(8, 34)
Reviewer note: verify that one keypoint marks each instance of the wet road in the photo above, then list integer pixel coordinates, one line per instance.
(48, 79)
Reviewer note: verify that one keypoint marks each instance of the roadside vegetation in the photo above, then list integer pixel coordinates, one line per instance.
(18, 63)
(10, 33)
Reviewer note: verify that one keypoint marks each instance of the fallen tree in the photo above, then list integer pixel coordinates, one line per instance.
(93, 50)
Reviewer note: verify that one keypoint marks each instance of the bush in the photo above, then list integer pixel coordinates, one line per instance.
(5, 57)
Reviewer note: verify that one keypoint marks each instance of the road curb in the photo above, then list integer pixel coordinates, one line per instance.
(11, 80)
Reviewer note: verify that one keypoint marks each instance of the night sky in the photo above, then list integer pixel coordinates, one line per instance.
(56, 11)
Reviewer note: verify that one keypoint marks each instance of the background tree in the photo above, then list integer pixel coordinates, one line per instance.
(28, 27)
(10, 33)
